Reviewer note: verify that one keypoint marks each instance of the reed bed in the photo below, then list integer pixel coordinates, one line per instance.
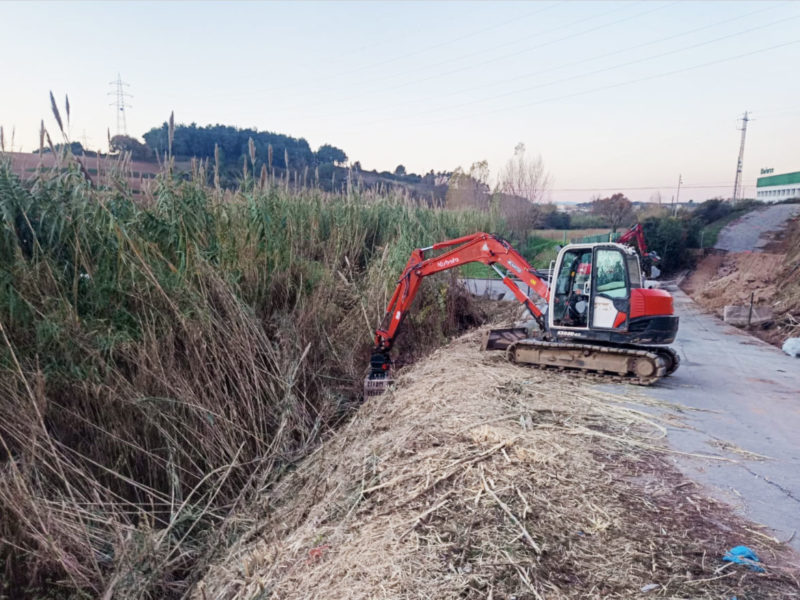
(164, 357)
(477, 478)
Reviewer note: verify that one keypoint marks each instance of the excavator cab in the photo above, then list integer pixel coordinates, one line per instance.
(597, 294)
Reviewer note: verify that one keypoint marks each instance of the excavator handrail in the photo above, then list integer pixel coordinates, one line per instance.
(478, 247)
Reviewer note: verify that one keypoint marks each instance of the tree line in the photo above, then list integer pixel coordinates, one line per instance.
(277, 150)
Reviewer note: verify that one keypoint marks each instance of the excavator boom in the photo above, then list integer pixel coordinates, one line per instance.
(478, 247)
(635, 233)
(635, 237)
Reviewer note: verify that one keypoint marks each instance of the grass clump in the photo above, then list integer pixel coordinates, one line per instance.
(163, 359)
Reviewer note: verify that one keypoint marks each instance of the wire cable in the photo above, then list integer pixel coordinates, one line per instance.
(612, 86)
(588, 73)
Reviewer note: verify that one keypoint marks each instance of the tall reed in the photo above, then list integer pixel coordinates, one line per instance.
(161, 361)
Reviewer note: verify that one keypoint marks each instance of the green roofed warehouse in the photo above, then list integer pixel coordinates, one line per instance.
(774, 188)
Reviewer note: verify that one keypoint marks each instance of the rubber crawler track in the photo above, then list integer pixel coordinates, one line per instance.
(665, 360)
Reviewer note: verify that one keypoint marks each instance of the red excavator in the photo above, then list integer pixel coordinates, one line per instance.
(595, 316)
(647, 259)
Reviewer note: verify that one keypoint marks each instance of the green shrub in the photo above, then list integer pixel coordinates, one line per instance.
(671, 238)
(588, 221)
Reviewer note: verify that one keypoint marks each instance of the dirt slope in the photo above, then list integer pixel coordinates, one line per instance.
(773, 276)
(477, 478)
(722, 279)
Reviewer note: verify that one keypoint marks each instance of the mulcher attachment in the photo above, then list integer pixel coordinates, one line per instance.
(380, 375)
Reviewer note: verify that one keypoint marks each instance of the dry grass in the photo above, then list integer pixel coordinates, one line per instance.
(477, 478)
(161, 360)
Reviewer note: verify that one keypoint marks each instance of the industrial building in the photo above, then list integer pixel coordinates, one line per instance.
(774, 188)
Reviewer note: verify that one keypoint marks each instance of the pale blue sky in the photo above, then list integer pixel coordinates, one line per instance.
(613, 95)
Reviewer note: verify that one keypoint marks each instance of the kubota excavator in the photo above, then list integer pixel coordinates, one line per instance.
(647, 259)
(598, 317)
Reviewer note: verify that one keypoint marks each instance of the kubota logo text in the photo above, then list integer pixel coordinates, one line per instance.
(448, 262)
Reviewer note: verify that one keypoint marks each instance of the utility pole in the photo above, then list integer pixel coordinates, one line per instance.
(678, 195)
(739, 163)
(120, 95)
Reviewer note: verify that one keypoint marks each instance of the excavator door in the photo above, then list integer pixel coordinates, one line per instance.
(592, 288)
(571, 288)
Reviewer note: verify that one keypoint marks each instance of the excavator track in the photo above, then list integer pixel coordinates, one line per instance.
(640, 365)
(671, 357)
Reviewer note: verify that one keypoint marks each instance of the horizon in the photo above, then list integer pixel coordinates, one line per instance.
(632, 95)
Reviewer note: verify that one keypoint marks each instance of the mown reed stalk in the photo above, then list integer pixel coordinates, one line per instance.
(162, 360)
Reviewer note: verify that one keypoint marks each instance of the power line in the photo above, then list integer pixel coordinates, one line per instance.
(120, 103)
(614, 85)
(384, 62)
(417, 114)
(468, 35)
(482, 51)
(604, 69)
(641, 188)
(589, 59)
(530, 48)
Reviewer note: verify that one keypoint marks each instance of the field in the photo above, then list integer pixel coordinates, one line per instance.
(570, 234)
(102, 169)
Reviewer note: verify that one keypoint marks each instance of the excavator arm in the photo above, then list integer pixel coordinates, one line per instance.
(478, 247)
(635, 233)
(647, 259)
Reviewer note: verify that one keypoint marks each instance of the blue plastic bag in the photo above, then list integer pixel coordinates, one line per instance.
(742, 555)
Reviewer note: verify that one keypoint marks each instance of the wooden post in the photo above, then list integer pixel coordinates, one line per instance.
(750, 312)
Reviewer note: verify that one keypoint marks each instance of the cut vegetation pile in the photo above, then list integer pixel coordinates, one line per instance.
(477, 478)
(772, 277)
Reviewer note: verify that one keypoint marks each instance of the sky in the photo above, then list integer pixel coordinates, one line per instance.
(614, 96)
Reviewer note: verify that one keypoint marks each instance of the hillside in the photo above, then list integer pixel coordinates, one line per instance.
(772, 276)
(101, 169)
(476, 478)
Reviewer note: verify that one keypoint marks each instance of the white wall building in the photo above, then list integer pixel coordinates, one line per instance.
(774, 188)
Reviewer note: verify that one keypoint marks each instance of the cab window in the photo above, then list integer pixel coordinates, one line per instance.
(610, 265)
(569, 300)
(634, 271)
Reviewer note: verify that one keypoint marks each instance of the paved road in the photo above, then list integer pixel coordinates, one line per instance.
(746, 233)
(748, 393)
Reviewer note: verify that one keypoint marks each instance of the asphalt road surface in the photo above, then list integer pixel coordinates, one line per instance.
(743, 401)
(747, 232)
